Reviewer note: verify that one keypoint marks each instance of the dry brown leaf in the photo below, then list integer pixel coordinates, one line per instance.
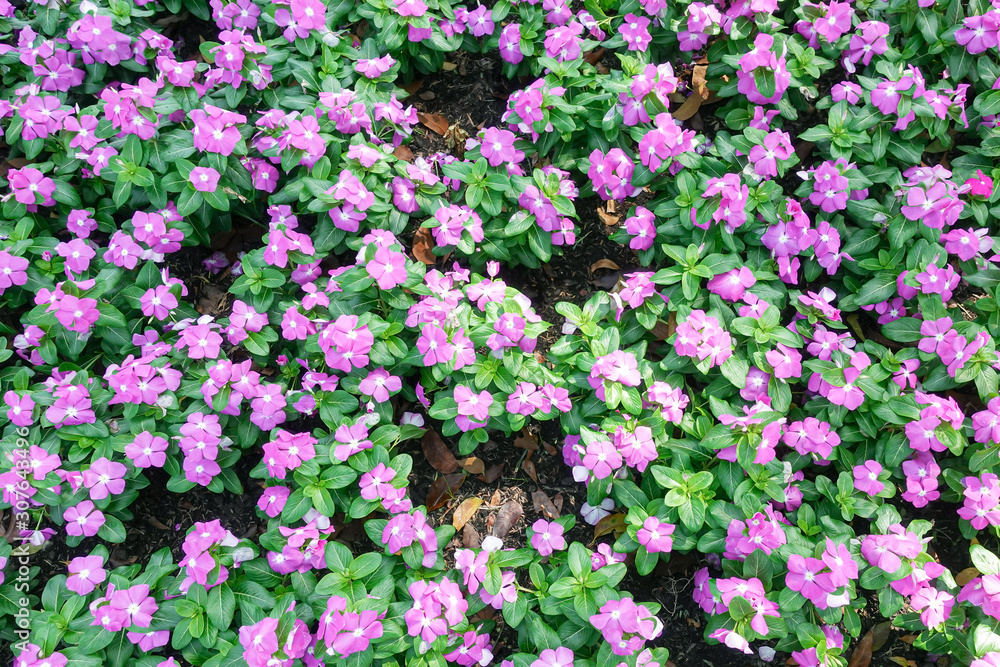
(551, 449)
(434, 122)
(966, 575)
(465, 511)
(862, 654)
(508, 515)
(607, 218)
(908, 639)
(447, 67)
(903, 662)
(544, 505)
(558, 502)
(474, 466)
(664, 330)
(156, 523)
(423, 246)
(437, 453)
(492, 474)
(689, 108)
(495, 499)
(611, 206)
(405, 154)
(880, 634)
(698, 81)
(470, 537)
(604, 264)
(612, 523)
(593, 57)
(442, 489)
(527, 441)
(529, 467)
(413, 86)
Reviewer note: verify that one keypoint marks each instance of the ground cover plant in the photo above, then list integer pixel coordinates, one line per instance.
(238, 262)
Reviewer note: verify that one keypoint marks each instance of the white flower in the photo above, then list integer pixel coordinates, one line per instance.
(492, 543)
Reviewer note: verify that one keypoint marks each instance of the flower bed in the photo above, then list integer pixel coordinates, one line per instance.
(236, 261)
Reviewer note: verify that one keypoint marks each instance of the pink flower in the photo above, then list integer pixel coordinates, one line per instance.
(104, 478)
(470, 404)
(21, 408)
(935, 605)
(602, 458)
(655, 535)
(388, 268)
(787, 361)
(204, 179)
(732, 284)
(83, 519)
(147, 451)
(866, 478)
(86, 572)
(379, 384)
(157, 302)
(547, 537)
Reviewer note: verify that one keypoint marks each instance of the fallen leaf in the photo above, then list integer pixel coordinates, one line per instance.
(551, 449)
(423, 246)
(527, 441)
(433, 122)
(612, 523)
(413, 86)
(465, 511)
(442, 489)
(594, 57)
(604, 264)
(611, 206)
(558, 502)
(903, 662)
(880, 634)
(908, 639)
(495, 499)
(508, 515)
(689, 108)
(470, 537)
(156, 523)
(664, 330)
(966, 575)
(492, 474)
(862, 654)
(437, 453)
(607, 218)
(544, 505)
(474, 466)
(528, 466)
(405, 154)
(427, 95)
(698, 82)
(447, 67)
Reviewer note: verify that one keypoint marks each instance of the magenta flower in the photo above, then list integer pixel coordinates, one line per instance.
(732, 284)
(805, 576)
(86, 572)
(147, 451)
(787, 361)
(29, 184)
(866, 478)
(388, 268)
(547, 537)
(602, 458)
(104, 478)
(655, 535)
(470, 404)
(934, 605)
(273, 500)
(13, 270)
(642, 227)
(472, 566)
(843, 569)
(204, 179)
(380, 385)
(77, 314)
(554, 657)
(21, 408)
(157, 302)
(83, 519)
(635, 32)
